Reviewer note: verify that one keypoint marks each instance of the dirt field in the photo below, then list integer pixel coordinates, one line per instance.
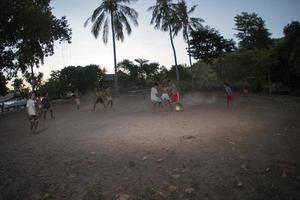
(135, 151)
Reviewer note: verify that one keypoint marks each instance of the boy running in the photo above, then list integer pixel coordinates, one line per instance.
(31, 111)
(99, 98)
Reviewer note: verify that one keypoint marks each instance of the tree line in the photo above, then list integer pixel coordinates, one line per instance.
(256, 61)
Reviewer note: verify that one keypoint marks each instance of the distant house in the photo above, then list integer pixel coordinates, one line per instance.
(109, 77)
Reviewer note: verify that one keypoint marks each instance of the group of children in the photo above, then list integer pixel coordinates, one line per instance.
(165, 95)
(103, 96)
(168, 95)
(36, 108)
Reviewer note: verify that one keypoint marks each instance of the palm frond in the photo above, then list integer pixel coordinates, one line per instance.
(105, 30)
(87, 22)
(193, 8)
(118, 28)
(96, 28)
(97, 12)
(130, 13)
(123, 20)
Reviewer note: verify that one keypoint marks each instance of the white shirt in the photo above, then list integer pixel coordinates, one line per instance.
(31, 107)
(153, 93)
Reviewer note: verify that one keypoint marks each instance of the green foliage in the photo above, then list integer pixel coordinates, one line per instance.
(3, 82)
(138, 75)
(81, 78)
(245, 67)
(34, 80)
(28, 32)
(252, 32)
(131, 69)
(184, 71)
(208, 44)
(288, 53)
(18, 84)
(205, 77)
(71, 78)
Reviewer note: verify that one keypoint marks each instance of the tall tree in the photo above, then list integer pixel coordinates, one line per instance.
(252, 31)
(28, 33)
(117, 14)
(186, 23)
(289, 53)
(164, 17)
(207, 44)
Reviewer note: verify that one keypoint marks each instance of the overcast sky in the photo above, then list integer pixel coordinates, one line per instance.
(154, 45)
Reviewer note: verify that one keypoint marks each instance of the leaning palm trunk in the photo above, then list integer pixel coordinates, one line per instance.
(115, 54)
(175, 57)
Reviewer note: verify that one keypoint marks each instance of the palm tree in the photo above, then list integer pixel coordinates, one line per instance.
(164, 17)
(116, 14)
(186, 23)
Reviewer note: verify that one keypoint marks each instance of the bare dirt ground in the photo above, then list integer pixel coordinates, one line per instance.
(135, 151)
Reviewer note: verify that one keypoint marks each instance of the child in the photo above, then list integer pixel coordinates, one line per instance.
(174, 97)
(99, 98)
(229, 94)
(109, 98)
(165, 93)
(31, 111)
(47, 106)
(40, 107)
(77, 98)
(154, 95)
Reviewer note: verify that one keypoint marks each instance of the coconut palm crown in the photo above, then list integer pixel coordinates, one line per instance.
(114, 15)
(186, 23)
(164, 17)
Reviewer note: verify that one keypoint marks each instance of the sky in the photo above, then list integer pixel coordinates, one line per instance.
(154, 45)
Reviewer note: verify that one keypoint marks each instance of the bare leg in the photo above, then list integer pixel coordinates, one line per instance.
(45, 113)
(51, 113)
(31, 124)
(36, 123)
(94, 106)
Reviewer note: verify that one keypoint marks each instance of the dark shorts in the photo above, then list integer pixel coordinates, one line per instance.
(99, 100)
(33, 118)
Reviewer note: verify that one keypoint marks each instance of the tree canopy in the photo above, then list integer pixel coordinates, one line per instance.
(116, 15)
(28, 30)
(252, 31)
(207, 44)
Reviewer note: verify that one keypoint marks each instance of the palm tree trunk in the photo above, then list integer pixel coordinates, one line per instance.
(175, 57)
(190, 59)
(32, 79)
(115, 54)
(189, 46)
